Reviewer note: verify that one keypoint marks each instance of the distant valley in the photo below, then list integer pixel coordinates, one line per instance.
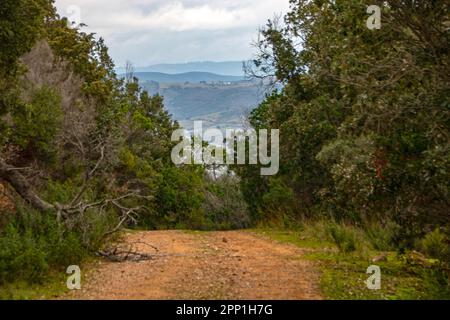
(221, 101)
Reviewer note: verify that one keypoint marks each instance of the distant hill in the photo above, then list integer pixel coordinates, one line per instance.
(193, 77)
(221, 106)
(232, 68)
(219, 99)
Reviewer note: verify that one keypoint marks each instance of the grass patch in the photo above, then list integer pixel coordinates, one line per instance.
(294, 237)
(343, 271)
(53, 287)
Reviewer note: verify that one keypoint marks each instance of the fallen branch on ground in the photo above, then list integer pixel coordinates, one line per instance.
(130, 253)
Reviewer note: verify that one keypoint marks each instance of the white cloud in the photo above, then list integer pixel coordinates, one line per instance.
(151, 26)
(177, 17)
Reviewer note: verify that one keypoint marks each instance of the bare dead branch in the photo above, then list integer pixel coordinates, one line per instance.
(127, 252)
(22, 187)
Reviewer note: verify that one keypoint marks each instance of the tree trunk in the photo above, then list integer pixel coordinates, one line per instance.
(22, 187)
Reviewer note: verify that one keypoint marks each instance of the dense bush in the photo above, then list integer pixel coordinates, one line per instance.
(345, 238)
(381, 235)
(436, 245)
(34, 243)
(37, 123)
(437, 283)
(21, 256)
(179, 198)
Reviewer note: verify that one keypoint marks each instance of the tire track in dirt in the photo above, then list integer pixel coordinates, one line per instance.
(214, 265)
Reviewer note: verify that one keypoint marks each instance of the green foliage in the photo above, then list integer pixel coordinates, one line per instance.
(36, 123)
(436, 245)
(21, 257)
(343, 275)
(82, 138)
(278, 196)
(437, 283)
(180, 197)
(350, 167)
(224, 205)
(364, 120)
(358, 114)
(21, 23)
(380, 236)
(54, 287)
(344, 237)
(33, 244)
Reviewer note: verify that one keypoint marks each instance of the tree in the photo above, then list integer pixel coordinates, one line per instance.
(363, 114)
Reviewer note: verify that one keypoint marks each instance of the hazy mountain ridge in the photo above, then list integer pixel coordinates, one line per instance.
(194, 76)
(232, 68)
(218, 105)
(219, 100)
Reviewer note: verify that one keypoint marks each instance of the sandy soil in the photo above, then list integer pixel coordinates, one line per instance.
(215, 265)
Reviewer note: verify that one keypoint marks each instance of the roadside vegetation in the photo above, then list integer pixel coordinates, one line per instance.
(84, 153)
(364, 125)
(364, 119)
(343, 253)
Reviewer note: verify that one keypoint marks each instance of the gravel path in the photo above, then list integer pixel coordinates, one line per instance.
(214, 265)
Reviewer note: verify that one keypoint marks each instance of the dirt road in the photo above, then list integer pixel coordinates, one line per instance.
(214, 265)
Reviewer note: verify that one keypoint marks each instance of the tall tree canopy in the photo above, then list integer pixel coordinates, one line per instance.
(363, 114)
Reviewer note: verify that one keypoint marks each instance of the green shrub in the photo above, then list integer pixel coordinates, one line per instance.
(37, 123)
(380, 236)
(21, 256)
(436, 245)
(436, 283)
(34, 243)
(344, 237)
(179, 199)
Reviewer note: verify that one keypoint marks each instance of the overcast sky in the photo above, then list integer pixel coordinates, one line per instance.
(171, 31)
